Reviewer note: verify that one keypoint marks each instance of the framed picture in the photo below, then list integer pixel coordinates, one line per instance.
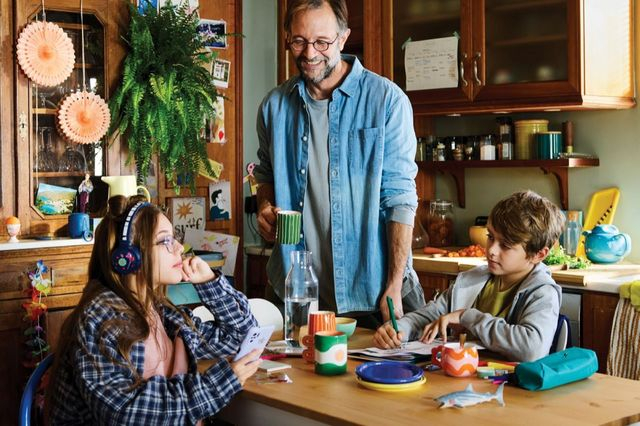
(213, 32)
(187, 213)
(220, 196)
(220, 72)
(193, 4)
(143, 5)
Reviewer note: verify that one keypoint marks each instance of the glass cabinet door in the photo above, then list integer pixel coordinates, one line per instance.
(54, 160)
(525, 41)
(430, 19)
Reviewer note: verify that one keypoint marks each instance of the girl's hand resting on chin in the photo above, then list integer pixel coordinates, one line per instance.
(196, 271)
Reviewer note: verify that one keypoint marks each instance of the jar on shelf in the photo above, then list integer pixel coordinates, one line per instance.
(439, 152)
(440, 228)
(487, 148)
(526, 131)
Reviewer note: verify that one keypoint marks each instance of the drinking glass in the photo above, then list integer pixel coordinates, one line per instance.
(46, 159)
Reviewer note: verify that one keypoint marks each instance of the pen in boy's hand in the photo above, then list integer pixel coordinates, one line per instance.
(392, 314)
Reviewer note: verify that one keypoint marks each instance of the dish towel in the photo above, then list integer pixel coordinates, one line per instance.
(623, 360)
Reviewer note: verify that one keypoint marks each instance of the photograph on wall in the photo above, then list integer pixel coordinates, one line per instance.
(213, 32)
(215, 167)
(187, 213)
(217, 122)
(220, 198)
(193, 4)
(220, 72)
(215, 241)
(143, 5)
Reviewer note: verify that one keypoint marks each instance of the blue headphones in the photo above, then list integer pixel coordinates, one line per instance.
(126, 258)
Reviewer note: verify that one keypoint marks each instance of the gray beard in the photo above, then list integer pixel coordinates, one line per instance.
(327, 72)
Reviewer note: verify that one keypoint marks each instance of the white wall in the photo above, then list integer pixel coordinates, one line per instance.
(259, 56)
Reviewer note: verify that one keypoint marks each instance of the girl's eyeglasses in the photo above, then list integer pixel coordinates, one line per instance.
(169, 242)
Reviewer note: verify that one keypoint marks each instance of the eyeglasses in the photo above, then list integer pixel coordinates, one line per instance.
(299, 44)
(169, 242)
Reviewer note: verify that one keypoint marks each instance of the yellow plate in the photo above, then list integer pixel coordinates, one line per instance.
(391, 388)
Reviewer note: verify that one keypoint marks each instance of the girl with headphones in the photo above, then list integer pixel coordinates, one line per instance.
(127, 355)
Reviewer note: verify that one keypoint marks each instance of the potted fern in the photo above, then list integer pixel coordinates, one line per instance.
(165, 94)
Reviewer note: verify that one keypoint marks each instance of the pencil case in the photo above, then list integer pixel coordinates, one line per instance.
(557, 369)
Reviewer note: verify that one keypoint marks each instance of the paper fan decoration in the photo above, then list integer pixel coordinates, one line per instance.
(83, 117)
(45, 53)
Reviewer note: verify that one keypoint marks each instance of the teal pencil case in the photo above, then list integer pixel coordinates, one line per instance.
(557, 369)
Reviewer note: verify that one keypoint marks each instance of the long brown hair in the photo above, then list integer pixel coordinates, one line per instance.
(137, 291)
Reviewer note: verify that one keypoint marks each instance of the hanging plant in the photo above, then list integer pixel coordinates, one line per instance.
(165, 93)
(35, 310)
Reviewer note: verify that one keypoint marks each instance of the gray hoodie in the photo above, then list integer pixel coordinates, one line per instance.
(525, 334)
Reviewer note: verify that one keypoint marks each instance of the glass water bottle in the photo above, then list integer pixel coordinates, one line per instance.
(301, 295)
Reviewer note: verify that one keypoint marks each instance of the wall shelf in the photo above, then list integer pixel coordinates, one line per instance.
(559, 169)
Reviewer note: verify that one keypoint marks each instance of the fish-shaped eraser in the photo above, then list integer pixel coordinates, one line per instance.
(469, 397)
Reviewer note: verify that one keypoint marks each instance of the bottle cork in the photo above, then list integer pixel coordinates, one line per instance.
(567, 135)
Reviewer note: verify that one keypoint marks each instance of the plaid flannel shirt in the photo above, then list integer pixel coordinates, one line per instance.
(92, 389)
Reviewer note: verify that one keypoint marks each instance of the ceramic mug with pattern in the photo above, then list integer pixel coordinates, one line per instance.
(330, 352)
(318, 321)
(456, 361)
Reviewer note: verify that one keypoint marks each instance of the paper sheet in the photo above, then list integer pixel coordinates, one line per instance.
(407, 352)
(215, 241)
(431, 64)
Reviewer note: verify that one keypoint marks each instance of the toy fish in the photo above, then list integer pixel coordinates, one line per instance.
(469, 397)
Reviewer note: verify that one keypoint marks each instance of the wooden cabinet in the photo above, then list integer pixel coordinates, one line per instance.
(598, 310)
(68, 271)
(521, 55)
(433, 284)
(257, 280)
(42, 155)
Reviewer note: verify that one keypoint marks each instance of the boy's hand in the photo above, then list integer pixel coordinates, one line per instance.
(386, 337)
(440, 325)
(246, 366)
(267, 218)
(196, 271)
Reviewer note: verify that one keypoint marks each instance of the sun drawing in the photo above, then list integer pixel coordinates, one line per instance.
(184, 210)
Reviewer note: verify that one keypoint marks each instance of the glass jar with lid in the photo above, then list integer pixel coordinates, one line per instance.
(440, 227)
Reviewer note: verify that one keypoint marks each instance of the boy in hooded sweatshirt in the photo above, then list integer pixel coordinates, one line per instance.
(511, 304)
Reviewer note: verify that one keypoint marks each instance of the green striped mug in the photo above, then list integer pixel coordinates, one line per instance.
(288, 227)
(330, 352)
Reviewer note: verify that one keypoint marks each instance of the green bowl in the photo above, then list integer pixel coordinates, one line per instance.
(346, 325)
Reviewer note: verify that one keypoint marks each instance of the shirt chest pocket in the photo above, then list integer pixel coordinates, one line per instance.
(365, 148)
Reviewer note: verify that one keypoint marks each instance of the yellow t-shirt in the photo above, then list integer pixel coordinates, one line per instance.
(493, 301)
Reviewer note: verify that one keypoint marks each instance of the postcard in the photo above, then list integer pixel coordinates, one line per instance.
(220, 194)
(187, 212)
(213, 32)
(220, 72)
(215, 241)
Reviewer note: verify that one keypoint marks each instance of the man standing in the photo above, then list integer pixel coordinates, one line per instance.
(337, 143)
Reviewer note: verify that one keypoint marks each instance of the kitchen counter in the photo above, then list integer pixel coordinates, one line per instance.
(37, 244)
(603, 278)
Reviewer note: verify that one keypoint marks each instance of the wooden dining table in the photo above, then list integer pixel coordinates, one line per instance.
(311, 399)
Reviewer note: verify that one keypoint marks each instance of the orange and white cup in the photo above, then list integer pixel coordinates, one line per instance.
(456, 361)
(318, 321)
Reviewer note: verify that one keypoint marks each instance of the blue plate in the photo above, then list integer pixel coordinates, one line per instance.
(389, 372)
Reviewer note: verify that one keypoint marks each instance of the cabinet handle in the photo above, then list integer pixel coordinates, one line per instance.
(22, 126)
(476, 58)
(464, 82)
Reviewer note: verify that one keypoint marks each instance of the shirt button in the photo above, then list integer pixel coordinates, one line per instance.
(304, 138)
(302, 171)
(300, 203)
(304, 106)
(334, 173)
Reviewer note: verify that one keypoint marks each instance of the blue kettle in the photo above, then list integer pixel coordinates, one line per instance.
(605, 244)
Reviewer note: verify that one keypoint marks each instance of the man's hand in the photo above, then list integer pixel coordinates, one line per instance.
(387, 338)
(395, 292)
(439, 326)
(267, 219)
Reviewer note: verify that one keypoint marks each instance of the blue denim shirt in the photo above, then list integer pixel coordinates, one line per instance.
(371, 173)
